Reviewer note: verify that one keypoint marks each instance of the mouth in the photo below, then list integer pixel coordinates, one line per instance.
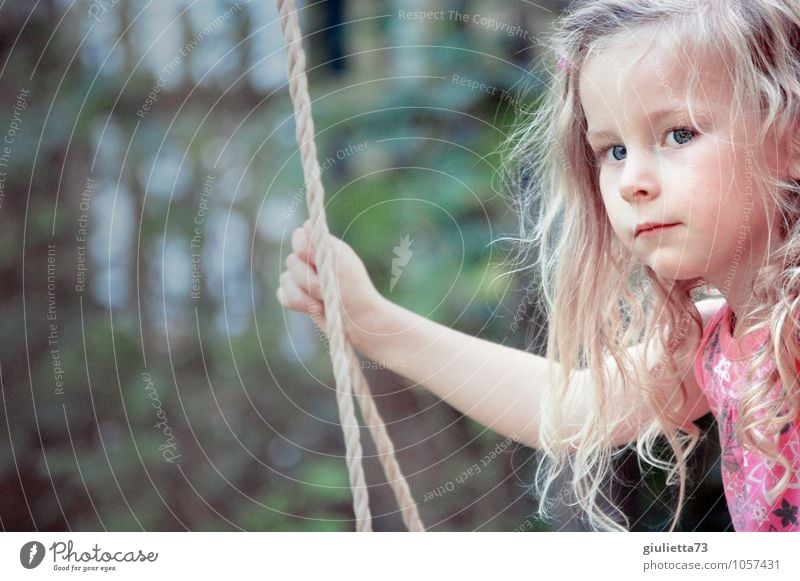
(649, 229)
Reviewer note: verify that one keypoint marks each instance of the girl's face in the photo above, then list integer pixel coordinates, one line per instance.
(656, 169)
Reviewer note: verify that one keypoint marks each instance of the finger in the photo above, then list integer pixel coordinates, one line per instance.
(305, 276)
(294, 298)
(301, 245)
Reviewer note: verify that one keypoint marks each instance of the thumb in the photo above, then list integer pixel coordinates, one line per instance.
(336, 250)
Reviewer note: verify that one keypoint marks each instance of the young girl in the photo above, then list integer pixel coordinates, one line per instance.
(662, 163)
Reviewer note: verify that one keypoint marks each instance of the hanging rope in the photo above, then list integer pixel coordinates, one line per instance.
(346, 368)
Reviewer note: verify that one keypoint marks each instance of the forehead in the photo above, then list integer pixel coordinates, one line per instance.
(633, 75)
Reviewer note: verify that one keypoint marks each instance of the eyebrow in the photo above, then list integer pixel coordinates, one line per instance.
(654, 118)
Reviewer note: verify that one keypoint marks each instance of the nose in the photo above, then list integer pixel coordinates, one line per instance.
(640, 177)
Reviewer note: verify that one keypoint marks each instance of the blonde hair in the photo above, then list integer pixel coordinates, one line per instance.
(598, 303)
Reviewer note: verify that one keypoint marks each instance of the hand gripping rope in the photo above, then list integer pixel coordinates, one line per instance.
(346, 368)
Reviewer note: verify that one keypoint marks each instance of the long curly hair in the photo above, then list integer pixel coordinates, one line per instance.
(599, 303)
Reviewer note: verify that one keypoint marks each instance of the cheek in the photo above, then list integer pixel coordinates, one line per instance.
(708, 226)
(704, 196)
(608, 186)
(617, 211)
(605, 195)
(614, 210)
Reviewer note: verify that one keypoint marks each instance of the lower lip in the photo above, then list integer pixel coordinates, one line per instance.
(655, 230)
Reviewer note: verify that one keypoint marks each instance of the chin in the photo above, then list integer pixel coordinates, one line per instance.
(675, 268)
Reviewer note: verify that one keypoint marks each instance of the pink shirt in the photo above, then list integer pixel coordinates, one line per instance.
(720, 368)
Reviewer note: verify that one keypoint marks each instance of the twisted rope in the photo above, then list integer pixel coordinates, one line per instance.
(346, 369)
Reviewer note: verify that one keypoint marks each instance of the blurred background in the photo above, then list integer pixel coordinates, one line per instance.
(149, 184)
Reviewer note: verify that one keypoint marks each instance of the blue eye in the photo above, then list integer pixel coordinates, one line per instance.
(618, 153)
(618, 150)
(682, 135)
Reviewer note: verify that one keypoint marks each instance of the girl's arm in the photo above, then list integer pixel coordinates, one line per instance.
(498, 386)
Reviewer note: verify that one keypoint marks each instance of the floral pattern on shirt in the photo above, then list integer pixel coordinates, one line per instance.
(746, 475)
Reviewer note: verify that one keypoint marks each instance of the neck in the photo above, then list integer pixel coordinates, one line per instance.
(737, 288)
